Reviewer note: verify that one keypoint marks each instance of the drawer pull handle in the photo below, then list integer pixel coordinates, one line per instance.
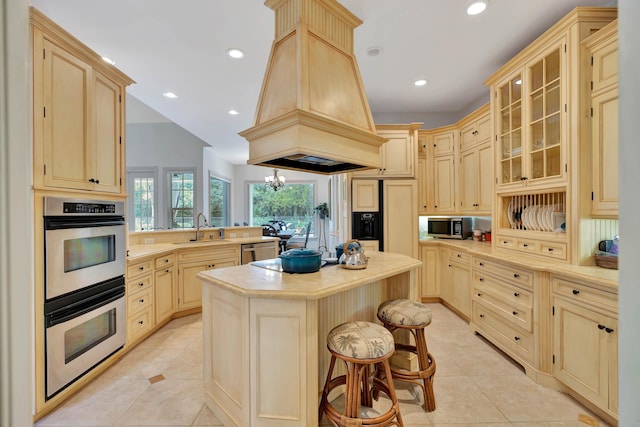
(141, 284)
(482, 316)
(141, 322)
(504, 242)
(141, 301)
(516, 338)
(575, 292)
(479, 294)
(482, 264)
(601, 327)
(516, 275)
(525, 245)
(516, 294)
(550, 249)
(459, 256)
(167, 271)
(140, 268)
(166, 260)
(609, 330)
(481, 279)
(515, 313)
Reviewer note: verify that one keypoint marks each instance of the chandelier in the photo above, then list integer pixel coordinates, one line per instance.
(276, 182)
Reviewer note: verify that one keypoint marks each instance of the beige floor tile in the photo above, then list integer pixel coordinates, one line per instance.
(206, 418)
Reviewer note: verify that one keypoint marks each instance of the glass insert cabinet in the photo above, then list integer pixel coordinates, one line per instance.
(531, 106)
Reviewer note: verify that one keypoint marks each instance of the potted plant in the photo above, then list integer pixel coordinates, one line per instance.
(322, 210)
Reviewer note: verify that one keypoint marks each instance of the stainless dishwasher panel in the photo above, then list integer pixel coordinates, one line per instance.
(258, 251)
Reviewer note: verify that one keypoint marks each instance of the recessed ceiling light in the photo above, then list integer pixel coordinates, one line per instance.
(477, 6)
(234, 112)
(235, 53)
(420, 82)
(108, 60)
(169, 95)
(374, 51)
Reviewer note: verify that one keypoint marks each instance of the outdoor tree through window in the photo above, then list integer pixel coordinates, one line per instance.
(181, 199)
(218, 202)
(293, 205)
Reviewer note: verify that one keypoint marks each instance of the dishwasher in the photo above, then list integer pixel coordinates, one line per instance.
(257, 252)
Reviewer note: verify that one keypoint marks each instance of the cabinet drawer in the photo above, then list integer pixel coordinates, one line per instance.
(554, 250)
(210, 253)
(459, 256)
(505, 335)
(139, 283)
(138, 268)
(586, 294)
(139, 300)
(513, 275)
(527, 246)
(500, 298)
(506, 242)
(165, 260)
(140, 323)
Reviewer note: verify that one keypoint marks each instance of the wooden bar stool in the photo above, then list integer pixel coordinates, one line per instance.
(414, 317)
(360, 345)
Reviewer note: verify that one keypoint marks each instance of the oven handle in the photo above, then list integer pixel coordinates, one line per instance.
(59, 224)
(78, 309)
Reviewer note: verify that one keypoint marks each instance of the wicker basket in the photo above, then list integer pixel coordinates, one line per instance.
(607, 261)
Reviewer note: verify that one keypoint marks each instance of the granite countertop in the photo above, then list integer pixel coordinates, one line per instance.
(137, 252)
(252, 281)
(602, 276)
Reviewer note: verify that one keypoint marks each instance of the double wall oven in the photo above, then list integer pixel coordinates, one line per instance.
(84, 287)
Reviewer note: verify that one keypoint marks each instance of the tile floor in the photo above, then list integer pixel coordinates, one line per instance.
(159, 384)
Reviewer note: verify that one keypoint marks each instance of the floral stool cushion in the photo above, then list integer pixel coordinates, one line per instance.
(360, 340)
(405, 312)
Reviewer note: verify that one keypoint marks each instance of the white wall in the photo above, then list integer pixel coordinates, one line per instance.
(629, 296)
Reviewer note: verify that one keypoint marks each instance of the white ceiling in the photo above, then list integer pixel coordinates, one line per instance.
(180, 46)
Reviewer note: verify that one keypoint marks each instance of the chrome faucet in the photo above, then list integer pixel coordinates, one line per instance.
(200, 214)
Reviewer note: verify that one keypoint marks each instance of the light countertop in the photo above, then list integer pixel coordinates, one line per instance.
(252, 281)
(602, 276)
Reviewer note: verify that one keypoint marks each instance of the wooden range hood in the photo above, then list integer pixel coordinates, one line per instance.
(313, 114)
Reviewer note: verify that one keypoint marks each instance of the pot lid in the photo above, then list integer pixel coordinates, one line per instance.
(299, 252)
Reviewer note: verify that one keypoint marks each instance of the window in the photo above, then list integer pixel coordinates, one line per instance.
(181, 197)
(218, 202)
(142, 203)
(293, 205)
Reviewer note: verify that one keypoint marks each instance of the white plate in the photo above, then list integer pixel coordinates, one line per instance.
(510, 213)
(523, 217)
(533, 217)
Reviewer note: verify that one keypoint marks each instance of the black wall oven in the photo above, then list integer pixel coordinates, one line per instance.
(84, 287)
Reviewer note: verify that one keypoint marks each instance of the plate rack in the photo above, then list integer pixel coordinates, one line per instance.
(544, 212)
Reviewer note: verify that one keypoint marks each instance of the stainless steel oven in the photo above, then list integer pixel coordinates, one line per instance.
(84, 287)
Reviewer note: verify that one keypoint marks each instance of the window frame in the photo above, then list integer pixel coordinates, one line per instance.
(227, 215)
(168, 208)
(141, 172)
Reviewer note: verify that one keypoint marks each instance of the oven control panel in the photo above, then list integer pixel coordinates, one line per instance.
(55, 206)
(108, 208)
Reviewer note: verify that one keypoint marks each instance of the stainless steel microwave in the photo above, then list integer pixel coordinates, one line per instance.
(449, 228)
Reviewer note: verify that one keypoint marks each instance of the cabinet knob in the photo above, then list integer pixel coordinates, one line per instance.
(479, 294)
(609, 330)
(140, 268)
(140, 322)
(550, 249)
(166, 260)
(516, 294)
(525, 245)
(601, 327)
(141, 284)
(482, 280)
(504, 242)
(482, 316)
(575, 292)
(449, 265)
(459, 256)
(167, 271)
(481, 264)
(516, 275)
(516, 338)
(141, 300)
(515, 313)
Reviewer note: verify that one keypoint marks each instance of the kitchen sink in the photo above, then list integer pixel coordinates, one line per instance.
(202, 241)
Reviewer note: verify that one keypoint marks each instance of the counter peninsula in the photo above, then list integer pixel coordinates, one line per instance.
(265, 356)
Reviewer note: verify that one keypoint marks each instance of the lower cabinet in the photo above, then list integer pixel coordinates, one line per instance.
(429, 273)
(585, 344)
(503, 307)
(191, 262)
(139, 299)
(164, 293)
(457, 278)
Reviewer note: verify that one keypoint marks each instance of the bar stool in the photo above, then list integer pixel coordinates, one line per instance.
(414, 317)
(360, 345)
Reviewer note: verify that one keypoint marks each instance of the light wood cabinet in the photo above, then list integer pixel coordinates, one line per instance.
(585, 345)
(165, 288)
(364, 195)
(444, 191)
(193, 261)
(139, 291)
(603, 50)
(457, 278)
(429, 274)
(78, 113)
(476, 179)
(398, 155)
(476, 128)
(424, 194)
(400, 218)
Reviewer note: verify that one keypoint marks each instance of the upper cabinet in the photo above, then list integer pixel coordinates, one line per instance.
(476, 128)
(539, 102)
(78, 113)
(602, 48)
(364, 195)
(398, 155)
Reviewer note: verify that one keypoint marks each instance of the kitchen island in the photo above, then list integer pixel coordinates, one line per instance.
(265, 356)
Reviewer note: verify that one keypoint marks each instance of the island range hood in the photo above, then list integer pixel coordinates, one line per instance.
(313, 114)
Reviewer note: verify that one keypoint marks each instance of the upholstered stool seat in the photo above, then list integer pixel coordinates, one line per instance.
(360, 345)
(414, 317)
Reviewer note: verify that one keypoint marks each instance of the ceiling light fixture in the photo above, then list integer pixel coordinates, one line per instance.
(374, 51)
(169, 95)
(477, 6)
(235, 53)
(108, 60)
(421, 82)
(234, 112)
(276, 181)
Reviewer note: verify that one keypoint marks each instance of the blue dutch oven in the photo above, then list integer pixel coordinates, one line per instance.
(301, 260)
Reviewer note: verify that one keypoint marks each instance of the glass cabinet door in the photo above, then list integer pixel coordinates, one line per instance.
(544, 117)
(510, 130)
